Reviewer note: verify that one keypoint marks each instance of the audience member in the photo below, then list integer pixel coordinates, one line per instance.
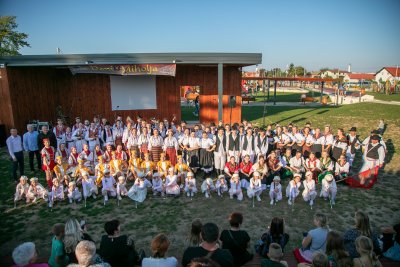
(86, 256)
(159, 247)
(391, 242)
(276, 234)
(335, 251)
(365, 249)
(319, 260)
(203, 262)
(275, 256)
(73, 235)
(25, 255)
(194, 238)
(58, 257)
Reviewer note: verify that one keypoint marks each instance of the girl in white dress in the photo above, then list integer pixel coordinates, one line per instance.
(255, 187)
(108, 184)
(36, 190)
(157, 185)
(190, 185)
(221, 185)
(236, 189)
(329, 188)
(22, 189)
(292, 190)
(171, 184)
(342, 168)
(138, 191)
(88, 186)
(309, 192)
(207, 187)
(121, 187)
(57, 192)
(73, 192)
(275, 191)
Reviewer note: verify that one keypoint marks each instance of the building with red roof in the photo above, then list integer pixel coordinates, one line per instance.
(388, 74)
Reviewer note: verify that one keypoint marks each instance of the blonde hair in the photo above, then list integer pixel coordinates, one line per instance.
(275, 251)
(85, 251)
(365, 246)
(73, 235)
(362, 224)
(321, 218)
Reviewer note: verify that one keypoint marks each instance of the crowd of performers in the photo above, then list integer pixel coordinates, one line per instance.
(166, 158)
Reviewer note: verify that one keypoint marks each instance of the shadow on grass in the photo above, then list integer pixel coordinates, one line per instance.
(390, 150)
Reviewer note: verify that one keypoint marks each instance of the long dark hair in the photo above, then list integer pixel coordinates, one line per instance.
(335, 248)
(276, 228)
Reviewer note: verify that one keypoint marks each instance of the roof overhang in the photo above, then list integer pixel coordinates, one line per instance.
(236, 59)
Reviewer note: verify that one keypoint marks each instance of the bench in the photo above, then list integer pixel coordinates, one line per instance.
(248, 99)
(307, 99)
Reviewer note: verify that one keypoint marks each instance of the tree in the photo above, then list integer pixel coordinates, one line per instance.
(291, 70)
(11, 41)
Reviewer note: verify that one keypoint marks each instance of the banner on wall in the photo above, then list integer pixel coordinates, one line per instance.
(130, 69)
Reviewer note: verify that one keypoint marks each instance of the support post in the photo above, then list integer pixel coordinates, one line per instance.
(322, 91)
(220, 90)
(269, 84)
(275, 82)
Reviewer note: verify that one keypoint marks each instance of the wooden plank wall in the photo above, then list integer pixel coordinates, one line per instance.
(35, 92)
(6, 114)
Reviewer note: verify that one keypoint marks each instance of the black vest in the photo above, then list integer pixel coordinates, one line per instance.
(352, 144)
(263, 142)
(245, 142)
(233, 143)
(218, 142)
(372, 152)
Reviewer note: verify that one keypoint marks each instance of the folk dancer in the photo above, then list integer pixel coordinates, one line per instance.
(191, 146)
(298, 141)
(354, 144)
(118, 131)
(190, 185)
(76, 125)
(233, 146)
(61, 170)
(79, 137)
(59, 132)
(231, 167)
(133, 142)
(342, 168)
(157, 185)
(21, 190)
(207, 146)
(117, 166)
(281, 139)
(73, 193)
(73, 160)
(235, 189)
(297, 163)
(170, 147)
(309, 192)
(138, 191)
(57, 192)
(88, 186)
(107, 136)
(255, 187)
(339, 145)
(94, 156)
(285, 162)
(121, 188)
(329, 189)
(181, 170)
(326, 166)
(220, 151)
(248, 145)
(274, 166)
(134, 165)
(108, 153)
(92, 136)
(62, 151)
(262, 168)
(313, 165)
(318, 142)
(148, 166)
(221, 185)
(48, 153)
(121, 154)
(171, 185)
(143, 142)
(327, 140)
(108, 186)
(155, 146)
(85, 156)
(99, 170)
(262, 144)
(292, 190)
(245, 171)
(207, 187)
(374, 156)
(308, 142)
(163, 165)
(275, 190)
(35, 191)
(80, 170)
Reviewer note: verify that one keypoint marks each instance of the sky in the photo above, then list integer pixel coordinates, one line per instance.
(310, 33)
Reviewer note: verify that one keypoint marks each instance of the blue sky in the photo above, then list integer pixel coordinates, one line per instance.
(311, 33)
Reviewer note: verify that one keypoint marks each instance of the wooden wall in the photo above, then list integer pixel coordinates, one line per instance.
(35, 92)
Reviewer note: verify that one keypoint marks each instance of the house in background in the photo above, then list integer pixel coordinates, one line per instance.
(358, 79)
(333, 73)
(388, 74)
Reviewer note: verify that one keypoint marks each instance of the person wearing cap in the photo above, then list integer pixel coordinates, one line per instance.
(35, 191)
(354, 144)
(207, 187)
(309, 192)
(59, 132)
(275, 190)
(148, 166)
(181, 170)
(374, 158)
(57, 192)
(89, 189)
(31, 145)
(121, 187)
(221, 185)
(22, 189)
(48, 155)
(190, 185)
(329, 188)
(61, 169)
(255, 187)
(236, 188)
(163, 165)
(293, 188)
(313, 164)
(73, 192)
(368, 140)
(342, 168)
(157, 185)
(248, 144)
(171, 184)
(79, 137)
(108, 186)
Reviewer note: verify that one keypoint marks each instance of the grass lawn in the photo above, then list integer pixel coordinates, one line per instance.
(173, 216)
(385, 97)
(284, 96)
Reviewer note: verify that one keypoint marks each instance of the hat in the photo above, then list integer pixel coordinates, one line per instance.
(256, 173)
(297, 175)
(106, 170)
(221, 176)
(329, 177)
(23, 177)
(71, 183)
(277, 178)
(235, 175)
(121, 178)
(374, 132)
(190, 174)
(59, 157)
(353, 129)
(34, 179)
(375, 137)
(309, 173)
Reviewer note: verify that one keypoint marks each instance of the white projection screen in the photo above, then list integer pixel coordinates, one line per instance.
(133, 92)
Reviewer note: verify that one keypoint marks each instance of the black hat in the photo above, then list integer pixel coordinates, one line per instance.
(374, 132)
(353, 129)
(375, 137)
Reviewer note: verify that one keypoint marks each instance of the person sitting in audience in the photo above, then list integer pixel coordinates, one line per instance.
(367, 257)
(58, 257)
(86, 256)
(275, 234)
(117, 249)
(159, 246)
(362, 227)
(209, 247)
(194, 238)
(275, 256)
(319, 260)
(391, 242)
(314, 240)
(236, 240)
(203, 262)
(73, 235)
(25, 255)
(335, 251)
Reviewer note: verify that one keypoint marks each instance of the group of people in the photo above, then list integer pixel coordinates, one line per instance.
(170, 159)
(207, 246)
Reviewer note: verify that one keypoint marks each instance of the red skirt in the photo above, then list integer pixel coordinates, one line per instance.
(171, 155)
(354, 181)
(50, 167)
(143, 150)
(155, 153)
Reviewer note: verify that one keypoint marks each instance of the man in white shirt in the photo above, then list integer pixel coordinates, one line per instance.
(16, 151)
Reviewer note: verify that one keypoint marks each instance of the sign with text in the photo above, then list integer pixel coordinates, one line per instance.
(131, 69)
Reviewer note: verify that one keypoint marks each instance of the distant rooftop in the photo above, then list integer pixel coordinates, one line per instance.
(236, 59)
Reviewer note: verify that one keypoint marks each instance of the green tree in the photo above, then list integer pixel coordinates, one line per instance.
(11, 41)
(300, 70)
(291, 70)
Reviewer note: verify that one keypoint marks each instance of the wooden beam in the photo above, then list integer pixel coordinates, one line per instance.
(299, 79)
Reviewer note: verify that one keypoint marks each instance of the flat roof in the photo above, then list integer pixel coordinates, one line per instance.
(237, 59)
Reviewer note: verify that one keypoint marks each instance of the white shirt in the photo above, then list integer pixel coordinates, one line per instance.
(160, 262)
(14, 145)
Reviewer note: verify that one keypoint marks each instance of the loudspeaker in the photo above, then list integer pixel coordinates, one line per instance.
(232, 101)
